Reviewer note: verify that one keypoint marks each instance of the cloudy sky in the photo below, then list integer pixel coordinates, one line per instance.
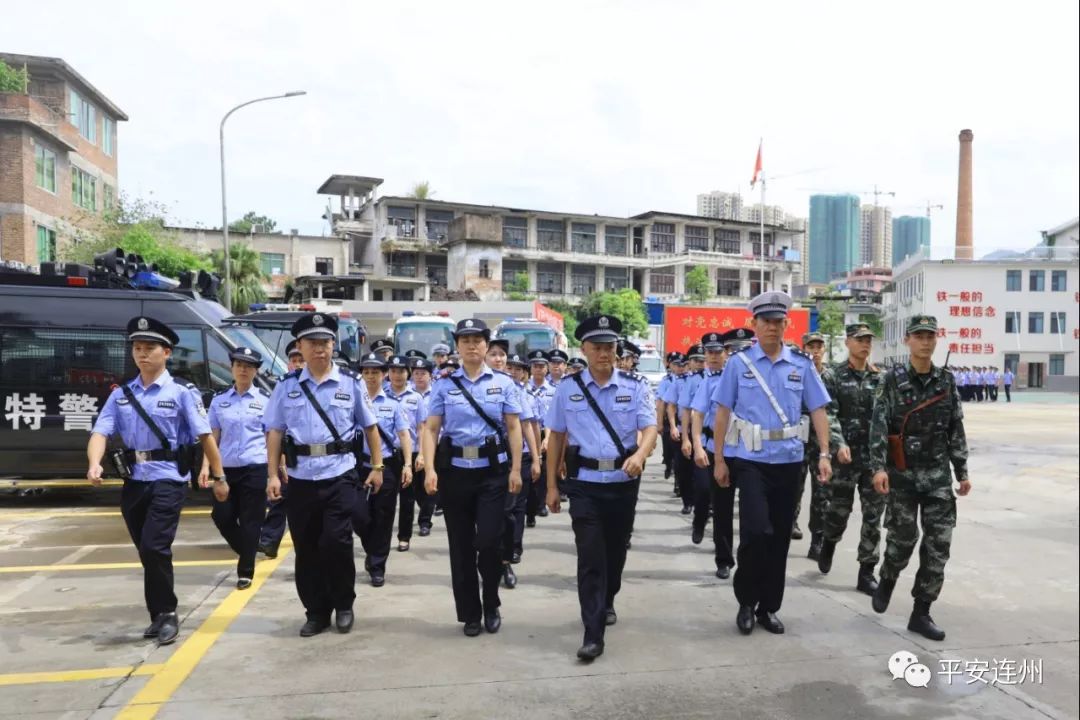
(606, 107)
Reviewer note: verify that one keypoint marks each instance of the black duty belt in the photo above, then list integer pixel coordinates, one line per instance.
(344, 447)
(468, 452)
(606, 465)
(137, 457)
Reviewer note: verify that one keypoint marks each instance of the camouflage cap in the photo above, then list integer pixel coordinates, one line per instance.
(812, 337)
(858, 330)
(919, 323)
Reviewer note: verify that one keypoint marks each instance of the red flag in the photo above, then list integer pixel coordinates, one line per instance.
(757, 167)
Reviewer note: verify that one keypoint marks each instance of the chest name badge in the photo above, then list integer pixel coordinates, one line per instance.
(294, 394)
(255, 406)
(494, 391)
(794, 377)
(342, 396)
(170, 404)
(748, 375)
(623, 398)
(122, 401)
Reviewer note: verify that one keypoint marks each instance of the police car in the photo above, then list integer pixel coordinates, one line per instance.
(63, 347)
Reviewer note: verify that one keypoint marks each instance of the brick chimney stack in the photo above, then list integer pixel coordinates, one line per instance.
(964, 204)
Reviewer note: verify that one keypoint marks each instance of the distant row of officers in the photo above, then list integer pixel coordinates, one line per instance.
(497, 438)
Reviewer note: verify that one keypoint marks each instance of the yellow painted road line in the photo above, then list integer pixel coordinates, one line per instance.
(63, 676)
(50, 514)
(57, 483)
(157, 691)
(108, 566)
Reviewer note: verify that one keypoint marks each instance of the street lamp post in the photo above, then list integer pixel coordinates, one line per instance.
(227, 289)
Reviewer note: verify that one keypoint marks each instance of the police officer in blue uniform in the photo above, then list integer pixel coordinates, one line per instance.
(595, 418)
(235, 417)
(557, 360)
(760, 397)
(539, 387)
(273, 526)
(153, 414)
(474, 436)
(514, 529)
(322, 457)
(420, 378)
(687, 389)
(682, 462)
(398, 372)
(383, 348)
(440, 353)
(373, 515)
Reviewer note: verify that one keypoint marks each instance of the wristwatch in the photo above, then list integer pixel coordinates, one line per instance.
(380, 466)
(826, 456)
(217, 478)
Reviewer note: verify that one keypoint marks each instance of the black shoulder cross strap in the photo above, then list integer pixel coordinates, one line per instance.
(386, 437)
(146, 418)
(322, 413)
(603, 418)
(476, 406)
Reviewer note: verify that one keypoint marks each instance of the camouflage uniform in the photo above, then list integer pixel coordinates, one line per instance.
(933, 438)
(852, 392)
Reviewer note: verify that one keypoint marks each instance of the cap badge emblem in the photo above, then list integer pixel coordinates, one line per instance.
(143, 324)
(468, 323)
(317, 320)
(603, 322)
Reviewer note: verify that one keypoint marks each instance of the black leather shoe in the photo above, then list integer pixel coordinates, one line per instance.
(509, 577)
(610, 618)
(723, 572)
(515, 558)
(378, 579)
(770, 622)
(243, 583)
(438, 512)
(472, 629)
(542, 512)
(269, 551)
(921, 622)
(152, 629)
(590, 651)
(344, 620)
(866, 583)
(168, 629)
(745, 619)
(425, 531)
(796, 532)
(686, 509)
(313, 627)
(403, 546)
(493, 621)
(530, 522)
(882, 595)
(824, 563)
(696, 536)
(815, 546)
(563, 497)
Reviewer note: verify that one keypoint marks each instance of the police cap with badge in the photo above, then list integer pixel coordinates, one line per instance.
(579, 362)
(151, 330)
(293, 348)
(382, 344)
(516, 360)
(440, 349)
(416, 354)
(417, 363)
(398, 361)
(630, 349)
(246, 355)
(471, 326)
(372, 360)
(737, 339)
(501, 343)
(538, 357)
(315, 326)
(771, 305)
(557, 355)
(712, 341)
(696, 352)
(679, 359)
(858, 330)
(599, 329)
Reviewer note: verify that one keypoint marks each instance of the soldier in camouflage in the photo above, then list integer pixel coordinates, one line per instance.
(852, 386)
(919, 406)
(813, 344)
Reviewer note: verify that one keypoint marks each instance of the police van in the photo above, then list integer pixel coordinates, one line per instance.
(525, 335)
(63, 347)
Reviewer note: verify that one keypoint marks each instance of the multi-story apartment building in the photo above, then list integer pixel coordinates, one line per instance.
(720, 205)
(876, 236)
(834, 237)
(411, 244)
(58, 158)
(911, 236)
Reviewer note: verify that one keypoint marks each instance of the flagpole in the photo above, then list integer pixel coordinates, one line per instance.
(762, 237)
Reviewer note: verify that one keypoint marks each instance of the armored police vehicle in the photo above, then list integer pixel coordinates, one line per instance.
(63, 347)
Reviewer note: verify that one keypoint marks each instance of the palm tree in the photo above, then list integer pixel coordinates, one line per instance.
(422, 191)
(246, 275)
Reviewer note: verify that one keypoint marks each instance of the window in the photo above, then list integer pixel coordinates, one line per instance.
(1058, 281)
(436, 270)
(1037, 280)
(46, 244)
(727, 241)
(510, 270)
(515, 232)
(1035, 322)
(583, 238)
(662, 283)
(485, 269)
(401, 294)
(401, 264)
(324, 266)
(1012, 323)
(272, 263)
(616, 278)
(218, 363)
(551, 235)
(437, 224)
(84, 117)
(89, 361)
(727, 282)
(662, 240)
(1057, 322)
(108, 128)
(83, 189)
(402, 218)
(582, 279)
(188, 359)
(550, 277)
(108, 196)
(1012, 281)
(756, 287)
(755, 240)
(697, 238)
(1057, 364)
(615, 239)
(45, 168)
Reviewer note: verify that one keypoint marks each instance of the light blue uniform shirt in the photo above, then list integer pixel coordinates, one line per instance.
(703, 403)
(175, 406)
(662, 386)
(794, 382)
(530, 410)
(625, 401)
(240, 420)
(390, 415)
(544, 394)
(494, 391)
(412, 405)
(688, 389)
(343, 399)
(1008, 379)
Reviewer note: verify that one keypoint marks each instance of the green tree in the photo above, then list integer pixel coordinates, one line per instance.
(697, 284)
(625, 304)
(830, 317)
(421, 191)
(875, 323)
(570, 319)
(519, 288)
(13, 80)
(138, 227)
(245, 274)
(249, 221)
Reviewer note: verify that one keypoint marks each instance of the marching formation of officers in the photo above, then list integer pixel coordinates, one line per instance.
(492, 440)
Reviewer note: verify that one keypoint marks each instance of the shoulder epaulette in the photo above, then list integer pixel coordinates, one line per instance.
(632, 375)
(222, 392)
(293, 375)
(742, 349)
(349, 372)
(700, 372)
(797, 351)
(188, 384)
